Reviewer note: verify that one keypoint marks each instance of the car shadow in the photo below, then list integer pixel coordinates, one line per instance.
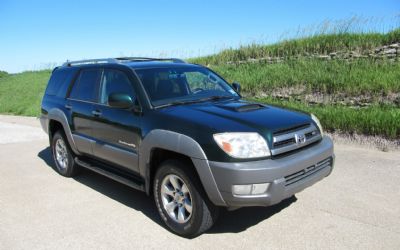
(228, 222)
(241, 219)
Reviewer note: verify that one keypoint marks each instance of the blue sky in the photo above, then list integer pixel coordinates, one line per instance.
(35, 34)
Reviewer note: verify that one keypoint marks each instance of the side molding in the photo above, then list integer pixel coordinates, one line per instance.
(182, 144)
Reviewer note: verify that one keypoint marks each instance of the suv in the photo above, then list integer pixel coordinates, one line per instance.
(180, 132)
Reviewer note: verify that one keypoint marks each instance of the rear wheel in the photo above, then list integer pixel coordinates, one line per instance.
(63, 155)
(181, 201)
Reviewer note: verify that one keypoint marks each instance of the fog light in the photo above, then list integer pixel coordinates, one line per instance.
(251, 189)
(260, 188)
(242, 189)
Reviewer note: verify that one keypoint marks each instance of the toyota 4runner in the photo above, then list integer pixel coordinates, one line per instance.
(181, 133)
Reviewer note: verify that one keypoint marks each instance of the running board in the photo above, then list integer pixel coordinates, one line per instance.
(126, 181)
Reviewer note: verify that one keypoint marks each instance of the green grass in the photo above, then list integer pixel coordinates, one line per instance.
(21, 94)
(362, 76)
(373, 120)
(3, 74)
(313, 44)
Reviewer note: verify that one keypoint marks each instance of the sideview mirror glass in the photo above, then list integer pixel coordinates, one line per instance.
(236, 87)
(120, 100)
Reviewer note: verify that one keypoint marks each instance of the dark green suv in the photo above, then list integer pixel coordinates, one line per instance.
(181, 133)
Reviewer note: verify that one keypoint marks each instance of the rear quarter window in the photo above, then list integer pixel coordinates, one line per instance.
(59, 81)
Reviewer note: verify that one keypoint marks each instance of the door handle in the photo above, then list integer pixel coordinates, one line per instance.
(96, 113)
(68, 106)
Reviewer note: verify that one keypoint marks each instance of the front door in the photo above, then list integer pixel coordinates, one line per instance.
(116, 131)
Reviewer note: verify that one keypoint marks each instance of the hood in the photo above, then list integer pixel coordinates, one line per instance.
(239, 116)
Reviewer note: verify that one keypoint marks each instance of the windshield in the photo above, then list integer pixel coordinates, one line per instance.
(178, 85)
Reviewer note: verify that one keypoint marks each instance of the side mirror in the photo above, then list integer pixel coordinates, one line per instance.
(236, 87)
(120, 100)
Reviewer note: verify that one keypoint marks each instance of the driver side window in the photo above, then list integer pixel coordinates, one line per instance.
(115, 81)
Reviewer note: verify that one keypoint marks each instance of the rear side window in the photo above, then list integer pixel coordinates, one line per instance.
(86, 86)
(59, 82)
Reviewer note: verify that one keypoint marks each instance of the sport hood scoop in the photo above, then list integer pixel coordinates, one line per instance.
(242, 107)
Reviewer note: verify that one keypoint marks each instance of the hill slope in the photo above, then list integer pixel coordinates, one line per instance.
(350, 81)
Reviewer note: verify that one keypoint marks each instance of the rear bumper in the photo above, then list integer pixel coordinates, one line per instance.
(287, 175)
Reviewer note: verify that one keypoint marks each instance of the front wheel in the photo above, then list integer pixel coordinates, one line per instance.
(181, 201)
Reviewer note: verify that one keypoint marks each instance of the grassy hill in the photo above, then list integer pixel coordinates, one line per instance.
(21, 94)
(319, 43)
(347, 79)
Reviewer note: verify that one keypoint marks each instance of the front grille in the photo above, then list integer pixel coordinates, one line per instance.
(300, 175)
(294, 138)
(291, 129)
(284, 142)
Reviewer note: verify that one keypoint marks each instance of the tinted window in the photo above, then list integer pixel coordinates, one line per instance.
(115, 81)
(59, 82)
(86, 87)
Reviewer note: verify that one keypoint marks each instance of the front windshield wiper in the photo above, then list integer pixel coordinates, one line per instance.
(209, 98)
(215, 97)
(176, 103)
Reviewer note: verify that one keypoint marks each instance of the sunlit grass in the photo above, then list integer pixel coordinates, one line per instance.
(320, 44)
(382, 120)
(361, 76)
(21, 94)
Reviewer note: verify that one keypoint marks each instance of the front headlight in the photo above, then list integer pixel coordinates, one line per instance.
(315, 119)
(242, 145)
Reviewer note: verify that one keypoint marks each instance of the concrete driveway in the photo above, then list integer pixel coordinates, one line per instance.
(357, 207)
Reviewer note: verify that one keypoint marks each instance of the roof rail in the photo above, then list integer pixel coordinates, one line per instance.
(119, 60)
(132, 59)
(90, 61)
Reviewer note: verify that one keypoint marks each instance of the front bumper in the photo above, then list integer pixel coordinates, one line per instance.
(287, 175)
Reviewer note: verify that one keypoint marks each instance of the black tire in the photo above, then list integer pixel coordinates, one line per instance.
(203, 213)
(70, 168)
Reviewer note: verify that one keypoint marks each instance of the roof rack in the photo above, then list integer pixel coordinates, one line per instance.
(119, 60)
(90, 61)
(133, 59)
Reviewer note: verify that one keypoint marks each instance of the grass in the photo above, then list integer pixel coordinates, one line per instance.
(319, 43)
(3, 74)
(21, 94)
(362, 76)
(381, 120)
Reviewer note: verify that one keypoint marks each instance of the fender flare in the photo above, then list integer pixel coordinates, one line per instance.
(59, 116)
(184, 145)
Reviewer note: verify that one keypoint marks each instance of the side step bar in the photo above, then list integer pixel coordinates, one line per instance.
(127, 181)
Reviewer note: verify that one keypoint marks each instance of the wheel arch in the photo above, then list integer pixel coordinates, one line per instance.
(166, 144)
(57, 119)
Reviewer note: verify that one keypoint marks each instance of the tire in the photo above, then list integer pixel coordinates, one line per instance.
(182, 219)
(63, 156)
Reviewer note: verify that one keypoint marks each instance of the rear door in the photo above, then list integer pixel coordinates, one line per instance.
(80, 105)
(116, 131)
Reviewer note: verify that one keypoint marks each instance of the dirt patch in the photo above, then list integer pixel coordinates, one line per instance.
(366, 141)
(300, 93)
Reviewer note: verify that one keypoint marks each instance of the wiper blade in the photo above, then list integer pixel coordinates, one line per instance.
(210, 98)
(214, 98)
(176, 103)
